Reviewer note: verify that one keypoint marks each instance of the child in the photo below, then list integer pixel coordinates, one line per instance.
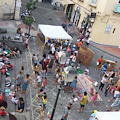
(58, 67)
(39, 80)
(71, 101)
(94, 98)
(2, 111)
(44, 83)
(14, 100)
(86, 71)
(91, 91)
(10, 66)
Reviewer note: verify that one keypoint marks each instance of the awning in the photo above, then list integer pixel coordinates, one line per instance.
(66, 2)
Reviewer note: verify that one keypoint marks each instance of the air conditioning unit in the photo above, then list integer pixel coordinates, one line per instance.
(93, 3)
(92, 20)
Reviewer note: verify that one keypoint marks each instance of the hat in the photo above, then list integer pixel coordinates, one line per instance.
(73, 45)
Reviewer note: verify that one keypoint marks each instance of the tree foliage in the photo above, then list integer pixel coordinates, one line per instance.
(28, 20)
(31, 5)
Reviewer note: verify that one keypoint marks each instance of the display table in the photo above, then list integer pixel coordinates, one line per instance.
(111, 64)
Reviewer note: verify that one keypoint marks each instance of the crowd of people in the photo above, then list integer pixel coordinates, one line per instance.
(51, 61)
(43, 66)
(21, 81)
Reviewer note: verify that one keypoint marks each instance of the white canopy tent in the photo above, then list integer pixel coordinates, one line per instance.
(54, 32)
(108, 115)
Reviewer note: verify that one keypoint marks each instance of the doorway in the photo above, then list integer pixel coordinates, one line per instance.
(69, 11)
(76, 17)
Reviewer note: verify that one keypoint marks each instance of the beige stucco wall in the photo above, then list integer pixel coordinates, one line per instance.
(110, 6)
(98, 29)
(7, 6)
(113, 38)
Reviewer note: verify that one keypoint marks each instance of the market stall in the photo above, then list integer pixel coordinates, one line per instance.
(51, 32)
(108, 115)
(111, 64)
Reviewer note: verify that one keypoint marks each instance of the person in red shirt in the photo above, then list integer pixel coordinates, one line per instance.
(99, 61)
(45, 64)
(2, 111)
(1, 96)
(10, 66)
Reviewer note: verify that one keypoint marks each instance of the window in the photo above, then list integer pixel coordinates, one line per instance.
(94, 1)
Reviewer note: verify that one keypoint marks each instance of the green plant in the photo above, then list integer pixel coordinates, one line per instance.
(31, 5)
(27, 20)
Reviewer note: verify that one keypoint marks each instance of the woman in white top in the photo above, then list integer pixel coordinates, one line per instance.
(103, 81)
(26, 42)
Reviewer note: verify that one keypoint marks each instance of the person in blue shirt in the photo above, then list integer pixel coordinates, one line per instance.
(104, 68)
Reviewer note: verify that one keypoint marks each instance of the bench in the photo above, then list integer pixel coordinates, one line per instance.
(7, 15)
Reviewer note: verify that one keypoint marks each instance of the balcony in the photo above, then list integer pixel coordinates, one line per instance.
(117, 8)
(92, 3)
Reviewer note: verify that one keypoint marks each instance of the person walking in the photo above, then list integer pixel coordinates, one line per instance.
(108, 87)
(66, 111)
(25, 84)
(73, 84)
(103, 81)
(83, 102)
(116, 103)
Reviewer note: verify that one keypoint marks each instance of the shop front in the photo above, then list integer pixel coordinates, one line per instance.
(76, 16)
(68, 4)
(87, 23)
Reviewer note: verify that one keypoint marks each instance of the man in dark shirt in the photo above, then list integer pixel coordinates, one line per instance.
(20, 105)
(16, 51)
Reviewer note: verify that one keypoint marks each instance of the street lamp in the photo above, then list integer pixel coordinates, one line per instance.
(60, 87)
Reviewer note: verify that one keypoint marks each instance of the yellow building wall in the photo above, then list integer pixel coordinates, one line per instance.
(98, 29)
(110, 6)
(6, 6)
(105, 16)
(113, 38)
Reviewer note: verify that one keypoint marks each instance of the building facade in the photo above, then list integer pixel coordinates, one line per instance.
(8, 6)
(101, 17)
